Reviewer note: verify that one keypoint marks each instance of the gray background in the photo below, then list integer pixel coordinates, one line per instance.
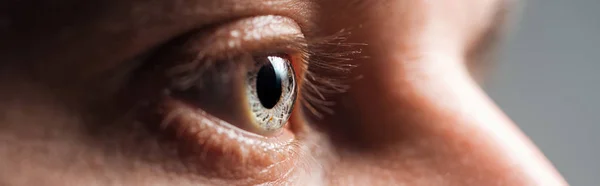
(547, 81)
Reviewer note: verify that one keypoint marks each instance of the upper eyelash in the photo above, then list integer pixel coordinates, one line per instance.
(184, 74)
(328, 72)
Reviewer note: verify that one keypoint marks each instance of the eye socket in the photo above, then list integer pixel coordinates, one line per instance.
(241, 72)
(271, 91)
(224, 96)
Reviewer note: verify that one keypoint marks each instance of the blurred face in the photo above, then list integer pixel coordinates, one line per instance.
(246, 92)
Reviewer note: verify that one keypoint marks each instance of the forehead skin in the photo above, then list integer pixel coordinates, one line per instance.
(410, 120)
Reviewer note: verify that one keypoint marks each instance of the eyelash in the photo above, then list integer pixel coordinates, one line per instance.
(326, 72)
(325, 62)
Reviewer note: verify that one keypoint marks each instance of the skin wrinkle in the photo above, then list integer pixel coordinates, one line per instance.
(416, 117)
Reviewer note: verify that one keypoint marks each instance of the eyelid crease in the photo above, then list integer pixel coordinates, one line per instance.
(249, 35)
(325, 62)
(261, 35)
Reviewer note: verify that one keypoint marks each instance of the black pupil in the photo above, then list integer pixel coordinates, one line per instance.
(268, 85)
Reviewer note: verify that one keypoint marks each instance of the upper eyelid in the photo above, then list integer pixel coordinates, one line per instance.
(256, 34)
(185, 57)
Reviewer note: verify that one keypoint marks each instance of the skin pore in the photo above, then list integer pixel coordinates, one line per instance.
(83, 101)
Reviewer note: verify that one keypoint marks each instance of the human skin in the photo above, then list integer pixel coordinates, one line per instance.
(413, 114)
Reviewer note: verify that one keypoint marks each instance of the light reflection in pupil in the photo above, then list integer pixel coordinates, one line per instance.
(268, 83)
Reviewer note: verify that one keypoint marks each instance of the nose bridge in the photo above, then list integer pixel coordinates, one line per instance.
(416, 114)
(414, 78)
(424, 116)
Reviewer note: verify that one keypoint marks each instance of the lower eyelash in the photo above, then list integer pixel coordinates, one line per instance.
(328, 72)
(325, 61)
(326, 66)
(234, 147)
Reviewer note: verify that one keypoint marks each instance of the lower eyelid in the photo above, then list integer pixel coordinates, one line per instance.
(207, 145)
(215, 148)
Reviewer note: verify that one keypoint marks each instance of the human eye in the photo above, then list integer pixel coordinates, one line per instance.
(226, 95)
